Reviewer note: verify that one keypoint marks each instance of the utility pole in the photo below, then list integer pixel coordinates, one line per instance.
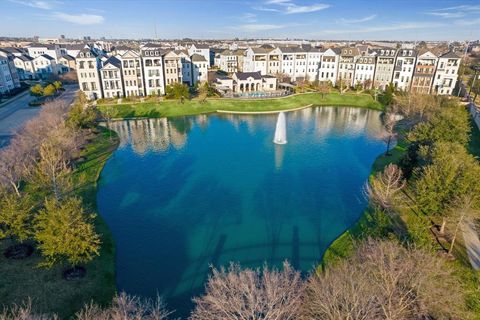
(475, 68)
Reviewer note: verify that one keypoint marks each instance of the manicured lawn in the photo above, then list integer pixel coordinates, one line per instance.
(170, 108)
(22, 279)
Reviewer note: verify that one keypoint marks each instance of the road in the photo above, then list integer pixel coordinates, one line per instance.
(16, 113)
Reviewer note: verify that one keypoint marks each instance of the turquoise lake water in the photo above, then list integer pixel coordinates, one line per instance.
(189, 192)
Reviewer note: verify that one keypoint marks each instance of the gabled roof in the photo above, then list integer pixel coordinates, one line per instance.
(113, 61)
(46, 56)
(130, 54)
(92, 53)
(201, 46)
(24, 57)
(122, 47)
(68, 57)
(198, 58)
(12, 50)
(260, 50)
(450, 55)
(152, 45)
(246, 75)
(75, 46)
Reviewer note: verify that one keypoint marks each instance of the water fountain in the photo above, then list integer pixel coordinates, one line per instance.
(281, 130)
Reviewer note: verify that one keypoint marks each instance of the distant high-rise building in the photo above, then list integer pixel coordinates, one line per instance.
(87, 38)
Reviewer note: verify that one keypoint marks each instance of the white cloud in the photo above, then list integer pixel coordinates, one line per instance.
(248, 17)
(465, 22)
(288, 7)
(260, 27)
(352, 21)
(471, 8)
(46, 5)
(394, 27)
(447, 14)
(82, 18)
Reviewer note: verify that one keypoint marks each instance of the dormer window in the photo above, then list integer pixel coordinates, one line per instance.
(81, 55)
(410, 52)
(88, 54)
(147, 53)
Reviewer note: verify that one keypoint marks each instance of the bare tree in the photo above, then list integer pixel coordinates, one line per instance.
(389, 133)
(250, 294)
(11, 169)
(462, 208)
(23, 312)
(384, 280)
(385, 186)
(125, 307)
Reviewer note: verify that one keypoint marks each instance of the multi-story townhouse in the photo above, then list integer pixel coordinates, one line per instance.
(384, 67)
(447, 73)
(256, 60)
(152, 62)
(9, 78)
(172, 65)
(365, 70)
(274, 63)
(200, 49)
(346, 66)
(404, 67)
(15, 52)
(66, 63)
(314, 58)
(74, 49)
(121, 50)
(132, 73)
(45, 66)
(329, 65)
(25, 67)
(111, 76)
(53, 50)
(288, 61)
(187, 68)
(424, 73)
(300, 64)
(227, 61)
(199, 69)
(240, 53)
(88, 64)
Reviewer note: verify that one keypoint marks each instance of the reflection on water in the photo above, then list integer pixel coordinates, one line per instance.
(185, 193)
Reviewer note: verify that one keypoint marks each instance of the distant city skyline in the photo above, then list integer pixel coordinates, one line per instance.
(217, 19)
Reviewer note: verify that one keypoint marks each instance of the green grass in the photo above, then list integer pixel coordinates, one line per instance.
(170, 108)
(22, 279)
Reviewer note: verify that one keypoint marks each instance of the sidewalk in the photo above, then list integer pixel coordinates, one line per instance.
(18, 96)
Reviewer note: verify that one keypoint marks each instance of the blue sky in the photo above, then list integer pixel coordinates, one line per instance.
(221, 19)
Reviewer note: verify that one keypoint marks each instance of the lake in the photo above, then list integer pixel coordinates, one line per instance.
(183, 194)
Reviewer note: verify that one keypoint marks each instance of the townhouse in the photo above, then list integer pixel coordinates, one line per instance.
(346, 66)
(329, 65)
(365, 70)
(187, 70)
(199, 68)
(152, 63)
(45, 66)
(173, 68)
(25, 67)
(202, 50)
(446, 74)
(88, 64)
(132, 75)
(424, 73)
(384, 67)
(404, 67)
(111, 78)
(227, 61)
(314, 59)
(53, 50)
(9, 79)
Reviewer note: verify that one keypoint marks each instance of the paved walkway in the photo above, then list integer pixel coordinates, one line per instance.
(14, 114)
(470, 235)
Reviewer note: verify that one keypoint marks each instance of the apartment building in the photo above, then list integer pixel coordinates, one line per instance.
(9, 78)
(346, 65)
(152, 63)
(384, 67)
(88, 64)
(404, 68)
(111, 77)
(446, 74)
(365, 70)
(424, 73)
(329, 65)
(132, 73)
(53, 50)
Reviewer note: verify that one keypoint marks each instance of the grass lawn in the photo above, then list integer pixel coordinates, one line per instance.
(171, 108)
(22, 279)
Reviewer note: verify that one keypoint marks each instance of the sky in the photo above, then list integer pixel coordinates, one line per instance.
(227, 19)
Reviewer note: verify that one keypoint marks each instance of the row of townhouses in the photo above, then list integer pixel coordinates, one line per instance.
(147, 71)
(9, 79)
(407, 69)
